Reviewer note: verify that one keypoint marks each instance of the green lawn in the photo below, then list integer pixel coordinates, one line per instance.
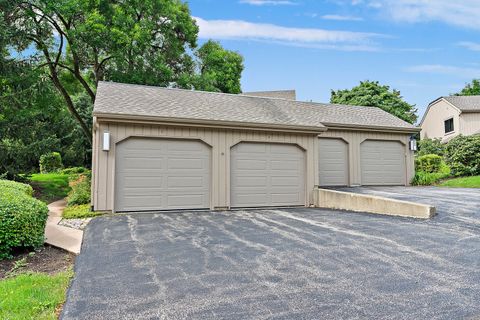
(79, 211)
(465, 182)
(50, 187)
(33, 295)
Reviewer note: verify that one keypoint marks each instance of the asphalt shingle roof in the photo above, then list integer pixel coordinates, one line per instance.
(139, 100)
(465, 103)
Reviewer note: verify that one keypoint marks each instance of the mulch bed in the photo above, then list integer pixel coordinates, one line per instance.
(47, 259)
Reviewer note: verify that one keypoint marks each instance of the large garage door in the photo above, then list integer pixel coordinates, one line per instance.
(161, 174)
(264, 174)
(383, 163)
(333, 162)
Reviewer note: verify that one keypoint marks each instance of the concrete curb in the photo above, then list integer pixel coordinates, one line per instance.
(58, 236)
(372, 204)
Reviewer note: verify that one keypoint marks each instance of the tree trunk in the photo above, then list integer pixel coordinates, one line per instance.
(71, 106)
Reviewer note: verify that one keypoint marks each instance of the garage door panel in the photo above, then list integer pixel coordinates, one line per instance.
(279, 180)
(183, 163)
(160, 174)
(250, 164)
(286, 198)
(250, 182)
(185, 182)
(285, 181)
(333, 162)
(288, 165)
(143, 182)
(185, 201)
(382, 162)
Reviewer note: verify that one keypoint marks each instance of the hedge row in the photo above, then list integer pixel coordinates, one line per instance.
(22, 218)
(461, 153)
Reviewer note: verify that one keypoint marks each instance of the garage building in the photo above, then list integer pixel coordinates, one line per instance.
(163, 149)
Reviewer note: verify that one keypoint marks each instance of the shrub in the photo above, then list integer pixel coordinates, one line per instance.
(422, 178)
(50, 162)
(431, 146)
(462, 155)
(80, 193)
(429, 163)
(75, 170)
(17, 186)
(22, 218)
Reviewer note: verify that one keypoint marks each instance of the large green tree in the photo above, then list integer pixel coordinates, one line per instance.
(373, 94)
(219, 69)
(34, 121)
(134, 41)
(470, 89)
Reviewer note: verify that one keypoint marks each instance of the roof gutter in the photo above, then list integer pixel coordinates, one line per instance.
(354, 127)
(128, 118)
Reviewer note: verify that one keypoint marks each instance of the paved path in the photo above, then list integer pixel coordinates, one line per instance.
(59, 236)
(283, 264)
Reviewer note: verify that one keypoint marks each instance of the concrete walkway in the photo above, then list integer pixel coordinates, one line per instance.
(59, 236)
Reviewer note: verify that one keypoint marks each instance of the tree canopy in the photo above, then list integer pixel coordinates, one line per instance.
(220, 69)
(373, 94)
(470, 89)
(81, 42)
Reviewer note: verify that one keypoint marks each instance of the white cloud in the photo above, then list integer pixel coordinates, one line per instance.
(463, 13)
(470, 45)
(460, 72)
(268, 2)
(307, 37)
(340, 17)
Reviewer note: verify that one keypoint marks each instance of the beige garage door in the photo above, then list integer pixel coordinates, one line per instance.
(333, 162)
(264, 174)
(382, 163)
(161, 174)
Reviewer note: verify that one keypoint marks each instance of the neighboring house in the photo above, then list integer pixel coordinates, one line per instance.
(157, 148)
(448, 117)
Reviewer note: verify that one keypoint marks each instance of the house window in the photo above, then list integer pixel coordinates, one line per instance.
(449, 125)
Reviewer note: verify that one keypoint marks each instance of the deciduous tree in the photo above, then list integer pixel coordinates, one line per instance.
(373, 94)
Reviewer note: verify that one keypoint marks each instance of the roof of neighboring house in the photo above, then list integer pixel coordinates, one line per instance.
(284, 94)
(465, 103)
(179, 105)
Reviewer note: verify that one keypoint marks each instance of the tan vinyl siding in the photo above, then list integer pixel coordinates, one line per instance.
(433, 125)
(470, 123)
(220, 140)
(354, 140)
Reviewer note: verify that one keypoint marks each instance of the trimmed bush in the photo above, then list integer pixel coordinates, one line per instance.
(22, 218)
(51, 162)
(431, 146)
(422, 178)
(16, 186)
(429, 163)
(463, 155)
(80, 193)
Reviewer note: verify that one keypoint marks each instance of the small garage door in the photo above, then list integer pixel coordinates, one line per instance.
(161, 174)
(264, 174)
(333, 162)
(382, 163)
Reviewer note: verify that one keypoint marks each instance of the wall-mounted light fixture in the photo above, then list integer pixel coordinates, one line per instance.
(106, 141)
(413, 144)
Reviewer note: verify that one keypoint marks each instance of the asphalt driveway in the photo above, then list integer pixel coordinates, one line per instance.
(284, 264)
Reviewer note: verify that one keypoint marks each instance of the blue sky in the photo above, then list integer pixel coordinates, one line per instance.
(424, 48)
